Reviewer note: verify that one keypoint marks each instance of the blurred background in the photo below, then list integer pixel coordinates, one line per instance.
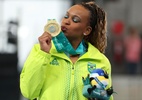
(22, 22)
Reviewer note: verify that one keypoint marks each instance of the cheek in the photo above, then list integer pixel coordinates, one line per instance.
(77, 29)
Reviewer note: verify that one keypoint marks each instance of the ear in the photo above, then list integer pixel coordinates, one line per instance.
(88, 30)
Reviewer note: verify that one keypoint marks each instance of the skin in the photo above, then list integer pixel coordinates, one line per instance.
(76, 21)
(74, 24)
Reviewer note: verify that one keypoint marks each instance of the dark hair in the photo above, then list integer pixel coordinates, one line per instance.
(97, 37)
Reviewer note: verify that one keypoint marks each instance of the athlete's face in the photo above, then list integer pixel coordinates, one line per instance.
(76, 22)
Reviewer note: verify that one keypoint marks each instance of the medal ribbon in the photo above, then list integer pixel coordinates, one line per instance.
(63, 45)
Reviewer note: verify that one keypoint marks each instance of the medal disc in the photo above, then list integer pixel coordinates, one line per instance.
(52, 27)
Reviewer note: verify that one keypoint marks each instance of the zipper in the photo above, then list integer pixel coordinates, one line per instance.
(72, 82)
(72, 71)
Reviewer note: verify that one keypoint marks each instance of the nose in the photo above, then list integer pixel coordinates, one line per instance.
(66, 21)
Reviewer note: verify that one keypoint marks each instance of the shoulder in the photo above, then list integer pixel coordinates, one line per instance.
(95, 54)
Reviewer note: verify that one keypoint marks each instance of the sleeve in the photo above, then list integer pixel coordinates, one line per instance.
(108, 70)
(32, 76)
(110, 78)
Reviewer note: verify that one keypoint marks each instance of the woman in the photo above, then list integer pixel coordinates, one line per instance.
(132, 45)
(52, 75)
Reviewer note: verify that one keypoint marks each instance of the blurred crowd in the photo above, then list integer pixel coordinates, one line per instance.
(127, 50)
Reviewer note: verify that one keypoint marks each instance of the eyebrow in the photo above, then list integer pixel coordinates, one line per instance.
(74, 15)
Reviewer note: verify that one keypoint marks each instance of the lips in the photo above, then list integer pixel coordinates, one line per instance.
(63, 28)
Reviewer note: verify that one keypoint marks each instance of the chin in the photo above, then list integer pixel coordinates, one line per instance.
(65, 34)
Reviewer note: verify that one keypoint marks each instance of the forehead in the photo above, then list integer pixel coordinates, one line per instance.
(79, 11)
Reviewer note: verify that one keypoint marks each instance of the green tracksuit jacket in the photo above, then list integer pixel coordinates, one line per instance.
(54, 77)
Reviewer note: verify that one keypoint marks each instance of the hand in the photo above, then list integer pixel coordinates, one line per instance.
(45, 42)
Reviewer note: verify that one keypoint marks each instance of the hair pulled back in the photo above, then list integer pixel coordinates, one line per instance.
(97, 37)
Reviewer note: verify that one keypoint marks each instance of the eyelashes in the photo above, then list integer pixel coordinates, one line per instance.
(75, 19)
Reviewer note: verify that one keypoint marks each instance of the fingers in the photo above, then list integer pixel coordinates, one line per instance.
(45, 38)
(45, 42)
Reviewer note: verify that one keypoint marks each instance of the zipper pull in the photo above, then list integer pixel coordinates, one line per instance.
(72, 69)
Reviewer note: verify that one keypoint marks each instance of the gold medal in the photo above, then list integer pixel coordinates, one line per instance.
(52, 27)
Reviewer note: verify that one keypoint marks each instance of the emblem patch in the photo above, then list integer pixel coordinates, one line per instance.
(54, 62)
(91, 66)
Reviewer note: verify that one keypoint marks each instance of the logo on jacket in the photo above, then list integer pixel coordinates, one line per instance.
(54, 62)
(91, 67)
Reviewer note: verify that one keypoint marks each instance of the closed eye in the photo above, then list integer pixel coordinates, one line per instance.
(76, 19)
(66, 16)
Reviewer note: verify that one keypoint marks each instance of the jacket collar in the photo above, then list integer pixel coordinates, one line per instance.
(92, 53)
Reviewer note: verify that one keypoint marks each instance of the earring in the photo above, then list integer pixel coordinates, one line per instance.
(84, 33)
